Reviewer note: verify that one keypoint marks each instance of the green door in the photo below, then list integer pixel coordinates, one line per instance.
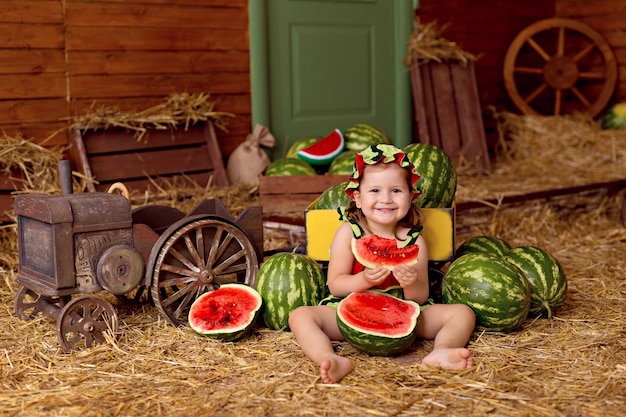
(321, 65)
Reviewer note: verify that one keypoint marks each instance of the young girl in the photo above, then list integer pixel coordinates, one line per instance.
(381, 189)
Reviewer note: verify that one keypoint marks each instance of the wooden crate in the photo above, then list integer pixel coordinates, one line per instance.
(293, 194)
(447, 110)
(116, 155)
(9, 183)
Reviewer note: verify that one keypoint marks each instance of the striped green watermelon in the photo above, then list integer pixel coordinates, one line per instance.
(362, 135)
(228, 313)
(324, 150)
(615, 117)
(343, 164)
(495, 289)
(378, 323)
(287, 281)
(438, 175)
(289, 167)
(545, 275)
(299, 145)
(333, 197)
(484, 244)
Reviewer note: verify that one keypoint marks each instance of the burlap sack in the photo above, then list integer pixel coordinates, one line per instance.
(249, 160)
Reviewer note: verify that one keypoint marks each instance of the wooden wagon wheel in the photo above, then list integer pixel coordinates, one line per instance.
(557, 61)
(195, 255)
(84, 321)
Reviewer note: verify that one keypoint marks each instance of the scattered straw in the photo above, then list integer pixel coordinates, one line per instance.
(571, 365)
(427, 44)
(178, 109)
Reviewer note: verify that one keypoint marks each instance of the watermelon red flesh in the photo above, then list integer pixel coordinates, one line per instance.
(325, 150)
(378, 323)
(226, 313)
(373, 251)
(380, 315)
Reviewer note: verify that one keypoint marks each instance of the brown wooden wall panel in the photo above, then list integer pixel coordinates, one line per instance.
(24, 11)
(32, 61)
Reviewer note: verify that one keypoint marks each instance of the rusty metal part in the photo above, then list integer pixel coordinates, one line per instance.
(86, 321)
(119, 269)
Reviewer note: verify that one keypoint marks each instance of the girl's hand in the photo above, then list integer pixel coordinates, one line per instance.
(376, 276)
(406, 275)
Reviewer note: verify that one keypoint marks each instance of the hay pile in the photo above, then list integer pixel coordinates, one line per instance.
(572, 365)
(427, 43)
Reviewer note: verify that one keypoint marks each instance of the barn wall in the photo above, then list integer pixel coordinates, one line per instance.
(59, 57)
(608, 17)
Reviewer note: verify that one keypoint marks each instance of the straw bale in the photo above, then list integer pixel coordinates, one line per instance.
(571, 365)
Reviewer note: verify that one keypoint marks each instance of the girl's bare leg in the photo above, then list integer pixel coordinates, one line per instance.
(450, 325)
(314, 327)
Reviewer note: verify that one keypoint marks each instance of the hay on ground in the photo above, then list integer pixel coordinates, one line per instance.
(571, 365)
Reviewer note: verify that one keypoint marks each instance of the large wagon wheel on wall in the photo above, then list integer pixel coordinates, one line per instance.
(560, 66)
(195, 255)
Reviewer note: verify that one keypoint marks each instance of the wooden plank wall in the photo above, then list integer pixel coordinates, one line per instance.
(59, 57)
(608, 17)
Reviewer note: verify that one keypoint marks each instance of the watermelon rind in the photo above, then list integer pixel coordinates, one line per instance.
(301, 144)
(495, 289)
(377, 343)
(287, 281)
(483, 244)
(363, 135)
(289, 167)
(546, 277)
(438, 179)
(206, 312)
(343, 164)
(333, 197)
(325, 150)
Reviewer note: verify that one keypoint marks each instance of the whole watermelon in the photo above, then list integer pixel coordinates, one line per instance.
(362, 135)
(299, 145)
(437, 182)
(333, 197)
(343, 163)
(495, 289)
(289, 167)
(286, 281)
(545, 275)
(484, 244)
(615, 117)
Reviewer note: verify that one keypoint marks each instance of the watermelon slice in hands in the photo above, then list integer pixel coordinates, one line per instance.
(324, 150)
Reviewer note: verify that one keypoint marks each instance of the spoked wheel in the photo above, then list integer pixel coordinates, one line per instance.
(560, 66)
(195, 255)
(84, 322)
(28, 304)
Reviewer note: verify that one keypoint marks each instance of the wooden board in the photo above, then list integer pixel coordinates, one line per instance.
(285, 194)
(447, 110)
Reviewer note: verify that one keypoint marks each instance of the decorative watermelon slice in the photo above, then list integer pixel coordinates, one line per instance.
(374, 251)
(324, 150)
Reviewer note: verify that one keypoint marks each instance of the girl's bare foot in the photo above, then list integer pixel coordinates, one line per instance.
(333, 369)
(449, 358)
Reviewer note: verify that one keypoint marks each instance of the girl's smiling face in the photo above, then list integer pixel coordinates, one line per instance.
(384, 194)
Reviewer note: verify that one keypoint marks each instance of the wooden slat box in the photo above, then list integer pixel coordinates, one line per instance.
(447, 110)
(8, 185)
(116, 155)
(293, 194)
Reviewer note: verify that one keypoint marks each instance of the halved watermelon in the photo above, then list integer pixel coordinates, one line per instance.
(324, 150)
(228, 313)
(373, 251)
